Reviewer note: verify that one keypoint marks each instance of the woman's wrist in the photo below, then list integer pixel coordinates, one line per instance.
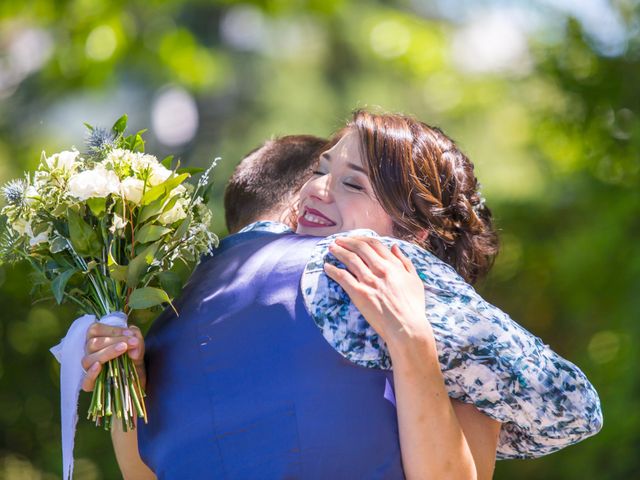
(408, 347)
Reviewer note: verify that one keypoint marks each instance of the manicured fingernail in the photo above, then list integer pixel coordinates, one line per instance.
(132, 341)
(121, 347)
(128, 333)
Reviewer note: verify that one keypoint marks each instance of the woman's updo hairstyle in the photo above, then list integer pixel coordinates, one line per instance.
(426, 184)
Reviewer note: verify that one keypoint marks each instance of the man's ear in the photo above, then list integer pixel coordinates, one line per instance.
(422, 235)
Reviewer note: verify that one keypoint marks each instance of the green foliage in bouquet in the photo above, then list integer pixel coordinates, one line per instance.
(106, 230)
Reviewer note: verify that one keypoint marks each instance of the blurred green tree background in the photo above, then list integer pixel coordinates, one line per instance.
(543, 96)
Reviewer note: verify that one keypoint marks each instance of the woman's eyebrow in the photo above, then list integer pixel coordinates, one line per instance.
(356, 167)
(325, 157)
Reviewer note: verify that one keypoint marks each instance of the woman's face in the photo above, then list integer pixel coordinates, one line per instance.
(339, 196)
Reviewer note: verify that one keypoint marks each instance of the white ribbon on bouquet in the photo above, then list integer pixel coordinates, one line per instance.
(69, 353)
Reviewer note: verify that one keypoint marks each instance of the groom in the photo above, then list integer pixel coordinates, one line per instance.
(243, 385)
(263, 188)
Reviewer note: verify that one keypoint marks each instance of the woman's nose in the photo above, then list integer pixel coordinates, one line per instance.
(321, 188)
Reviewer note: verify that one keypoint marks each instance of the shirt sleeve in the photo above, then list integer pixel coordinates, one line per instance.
(544, 401)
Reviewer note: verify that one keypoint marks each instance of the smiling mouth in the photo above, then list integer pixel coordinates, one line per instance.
(314, 219)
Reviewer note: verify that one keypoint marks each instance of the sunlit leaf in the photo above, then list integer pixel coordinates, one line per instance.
(120, 126)
(138, 266)
(82, 235)
(60, 282)
(147, 297)
(151, 233)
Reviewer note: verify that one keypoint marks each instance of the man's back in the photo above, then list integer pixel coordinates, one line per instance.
(244, 385)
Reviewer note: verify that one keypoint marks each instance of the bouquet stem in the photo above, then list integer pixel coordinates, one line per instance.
(118, 393)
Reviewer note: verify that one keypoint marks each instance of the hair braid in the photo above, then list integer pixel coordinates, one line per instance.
(425, 183)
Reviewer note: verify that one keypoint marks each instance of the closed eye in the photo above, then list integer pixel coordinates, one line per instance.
(354, 186)
(318, 172)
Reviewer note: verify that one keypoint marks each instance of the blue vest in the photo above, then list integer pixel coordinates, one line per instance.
(242, 385)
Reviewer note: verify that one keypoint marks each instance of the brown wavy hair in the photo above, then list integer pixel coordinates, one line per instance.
(426, 184)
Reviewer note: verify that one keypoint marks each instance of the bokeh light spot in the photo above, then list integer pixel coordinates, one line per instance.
(174, 116)
(604, 346)
(101, 43)
(390, 39)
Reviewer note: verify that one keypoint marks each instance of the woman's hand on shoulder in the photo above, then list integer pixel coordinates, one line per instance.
(105, 343)
(384, 285)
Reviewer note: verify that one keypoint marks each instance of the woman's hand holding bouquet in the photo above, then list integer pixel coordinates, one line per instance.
(105, 230)
(105, 343)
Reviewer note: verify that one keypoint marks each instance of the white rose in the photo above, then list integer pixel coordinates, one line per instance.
(176, 213)
(65, 161)
(157, 172)
(131, 189)
(118, 156)
(98, 182)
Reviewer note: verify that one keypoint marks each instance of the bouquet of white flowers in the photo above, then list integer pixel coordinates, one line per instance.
(104, 230)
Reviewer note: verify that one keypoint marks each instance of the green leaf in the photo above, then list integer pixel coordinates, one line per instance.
(88, 126)
(170, 204)
(59, 244)
(120, 126)
(148, 211)
(166, 163)
(59, 210)
(127, 142)
(142, 298)
(151, 233)
(138, 266)
(183, 228)
(165, 187)
(171, 282)
(156, 208)
(190, 170)
(118, 272)
(154, 193)
(82, 236)
(138, 144)
(60, 282)
(110, 259)
(97, 205)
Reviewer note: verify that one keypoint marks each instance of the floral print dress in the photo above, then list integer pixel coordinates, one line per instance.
(544, 401)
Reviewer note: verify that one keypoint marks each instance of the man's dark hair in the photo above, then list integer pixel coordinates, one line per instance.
(267, 177)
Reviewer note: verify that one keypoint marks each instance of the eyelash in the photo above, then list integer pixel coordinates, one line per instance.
(350, 185)
(355, 187)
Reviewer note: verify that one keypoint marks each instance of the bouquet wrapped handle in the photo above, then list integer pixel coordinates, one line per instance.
(69, 353)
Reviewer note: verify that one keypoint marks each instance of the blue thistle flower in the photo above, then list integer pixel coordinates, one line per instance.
(14, 192)
(100, 140)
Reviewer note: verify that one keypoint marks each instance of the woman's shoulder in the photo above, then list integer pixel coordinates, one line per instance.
(437, 275)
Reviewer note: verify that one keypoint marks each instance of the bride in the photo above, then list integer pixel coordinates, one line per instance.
(400, 178)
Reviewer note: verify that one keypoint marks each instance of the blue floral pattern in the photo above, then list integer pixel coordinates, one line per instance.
(544, 401)
(267, 226)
